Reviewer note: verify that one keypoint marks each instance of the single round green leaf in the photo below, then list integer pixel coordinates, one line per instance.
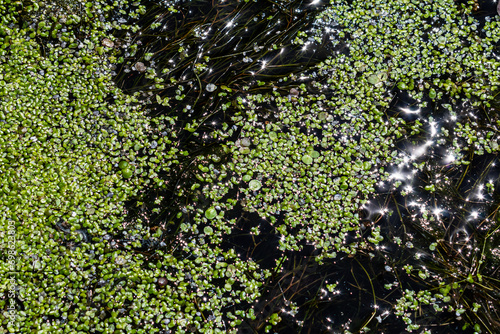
(208, 230)
(211, 213)
(307, 159)
(127, 173)
(373, 79)
(123, 164)
(254, 185)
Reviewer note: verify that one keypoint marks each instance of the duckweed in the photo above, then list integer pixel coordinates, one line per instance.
(303, 149)
(127, 173)
(211, 213)
(208, 230)
(254, 185)
(307, 159)
(123, 164)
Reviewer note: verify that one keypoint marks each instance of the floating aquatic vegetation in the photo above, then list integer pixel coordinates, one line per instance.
(74, 149)
(306, 176)
(124, 195)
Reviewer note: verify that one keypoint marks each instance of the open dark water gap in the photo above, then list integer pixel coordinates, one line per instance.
(398, 212)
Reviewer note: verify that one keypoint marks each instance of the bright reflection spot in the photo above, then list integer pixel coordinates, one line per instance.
(409, 111)
(397, 176)
(419, 151)
(315, 2)
(437, 211)
(433, 129)
(449, 159)
(383, 211)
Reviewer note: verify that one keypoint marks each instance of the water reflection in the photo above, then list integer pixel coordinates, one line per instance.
(440, 194)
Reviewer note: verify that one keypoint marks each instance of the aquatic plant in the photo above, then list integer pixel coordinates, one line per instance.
(74, 149)
(132, 136)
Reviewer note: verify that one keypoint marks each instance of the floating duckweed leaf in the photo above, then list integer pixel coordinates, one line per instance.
(140, 67)
(432, 93)
(108, 43)
(307, 159)
(127, 173)
(245, 142)
(123, 164)
(373, 79)
(322, 116)
(402, 85)
(162, 281)
(254, 185)
(244, 150)
(208, 230)
(273, 136)
(211, 213)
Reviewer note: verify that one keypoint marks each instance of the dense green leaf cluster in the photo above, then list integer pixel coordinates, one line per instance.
(303, 150)
(73, 149)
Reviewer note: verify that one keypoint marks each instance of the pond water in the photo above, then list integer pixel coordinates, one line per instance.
(260, 167)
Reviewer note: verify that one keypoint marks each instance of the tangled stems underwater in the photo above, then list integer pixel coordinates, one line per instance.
(249, 166)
